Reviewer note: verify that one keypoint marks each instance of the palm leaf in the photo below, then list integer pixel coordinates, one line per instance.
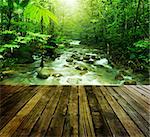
(35, 13)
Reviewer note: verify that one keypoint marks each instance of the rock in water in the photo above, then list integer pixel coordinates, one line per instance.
(69, 60)
(57, 75)
(119, 77)
(130, 82)
(81, 67)
(75, 42)
(91, 61)
(101, 62)
(44, 73)
(1, 57)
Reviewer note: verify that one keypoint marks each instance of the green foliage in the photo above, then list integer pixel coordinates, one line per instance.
(122, 25)
(145, 44)
(7, 40)
(140, 51)
(7, 37)
(36, 12)
(7, 46)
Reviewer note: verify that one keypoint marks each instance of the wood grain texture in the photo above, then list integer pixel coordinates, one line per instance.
(74, 111)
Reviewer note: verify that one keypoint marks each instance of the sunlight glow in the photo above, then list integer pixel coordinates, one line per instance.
(70, 3)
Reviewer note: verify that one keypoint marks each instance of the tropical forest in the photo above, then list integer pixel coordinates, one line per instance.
(74, 42)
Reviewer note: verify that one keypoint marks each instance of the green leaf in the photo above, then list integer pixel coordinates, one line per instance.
(2, 49)
(35, 12)
(10, 46)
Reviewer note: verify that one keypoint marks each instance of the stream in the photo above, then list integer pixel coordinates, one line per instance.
(76, 65)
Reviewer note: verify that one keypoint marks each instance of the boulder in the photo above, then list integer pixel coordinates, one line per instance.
(66, 65)
(86, 57)
(130, 82)
(75, 42)
(7, 74)
(69, 60)
(44, 73)
(80, 59)
(91, 61)
(101, 62)
(57, 75)
(73, 55)
(119, 76)
(81, 67)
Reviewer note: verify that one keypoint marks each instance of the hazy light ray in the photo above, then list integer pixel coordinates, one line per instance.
(69, 3)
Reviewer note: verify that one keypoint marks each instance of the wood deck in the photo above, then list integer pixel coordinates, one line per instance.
(74, 111)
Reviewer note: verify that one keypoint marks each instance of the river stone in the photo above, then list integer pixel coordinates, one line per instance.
(86, 57)
(101, 62)
(69, 60)
(81, 67)
(44, 73)
(91, 61)
(7, 74)
(73, 55)
(130, 82)
(94, 56)
(119, 76)
(57, 75)
(66, 65)
(1, 57)
(80, 59)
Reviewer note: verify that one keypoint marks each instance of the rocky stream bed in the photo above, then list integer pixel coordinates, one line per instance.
(75, 65)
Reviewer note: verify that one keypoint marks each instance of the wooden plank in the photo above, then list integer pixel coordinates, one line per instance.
(137, 99)
(13, 124)
(144, 89)
(141, 110)
(142, 96)
(85, 120)
(72, 123)
(141, 91)
(9, 91)
(57, 124)
(108, 114)
(100, 126)
(29, 121)
(5, 90)
(10, 113)
(8, 104)
(41, 126)
(140, 122)
(127, 122)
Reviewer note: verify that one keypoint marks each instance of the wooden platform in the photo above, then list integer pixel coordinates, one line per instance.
(72, 111)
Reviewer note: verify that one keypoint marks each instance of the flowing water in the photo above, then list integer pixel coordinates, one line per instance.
(62, 72)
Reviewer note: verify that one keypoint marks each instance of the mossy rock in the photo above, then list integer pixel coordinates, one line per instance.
(130, 82)
(119, 77)
(81, 67)
(44, 73)
(69, 60)
(57, 75)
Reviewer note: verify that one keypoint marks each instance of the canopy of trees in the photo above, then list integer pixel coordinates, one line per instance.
(119, 27)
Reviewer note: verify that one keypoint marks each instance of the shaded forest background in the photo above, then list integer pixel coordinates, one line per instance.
(119, 27)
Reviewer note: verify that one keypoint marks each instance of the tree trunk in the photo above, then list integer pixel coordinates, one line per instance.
(42, 26)
(2, 17)
(42, 61)
(137, 15)
(9, 20)
(42, 49)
